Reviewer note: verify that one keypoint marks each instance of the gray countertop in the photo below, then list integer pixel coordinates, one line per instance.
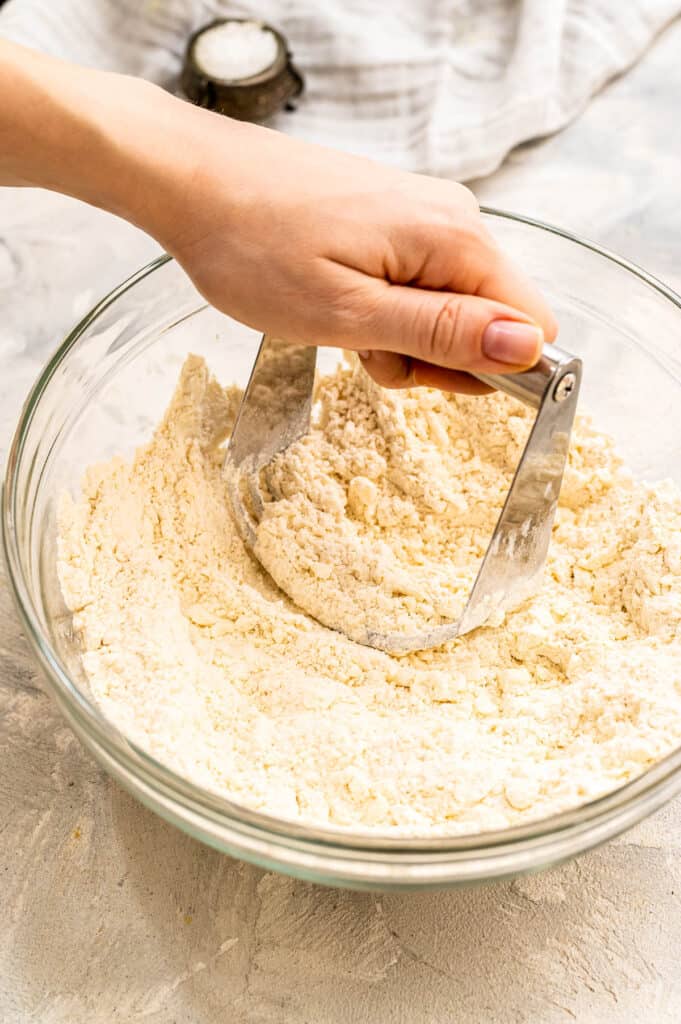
(110, 914)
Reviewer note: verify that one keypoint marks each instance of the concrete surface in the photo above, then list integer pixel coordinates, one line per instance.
(108, 914)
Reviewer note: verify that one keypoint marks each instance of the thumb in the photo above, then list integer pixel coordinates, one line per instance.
(455, 332)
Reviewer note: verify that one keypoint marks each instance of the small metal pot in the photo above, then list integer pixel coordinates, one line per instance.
(248, 99)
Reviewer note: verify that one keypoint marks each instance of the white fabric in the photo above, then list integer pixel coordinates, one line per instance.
(442, 86)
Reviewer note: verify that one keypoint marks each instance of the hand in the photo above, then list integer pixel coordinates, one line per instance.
(325, 248)
(310, 244)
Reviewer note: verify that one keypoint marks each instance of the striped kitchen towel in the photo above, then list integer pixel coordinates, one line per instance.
(445, 87)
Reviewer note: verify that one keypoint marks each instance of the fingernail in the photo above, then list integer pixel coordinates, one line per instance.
(513, 342)
(364, 355)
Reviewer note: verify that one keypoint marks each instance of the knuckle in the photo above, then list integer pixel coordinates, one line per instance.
(444, 344)
(473, 234)
(476, 256)
(466, 198)
(345, 314)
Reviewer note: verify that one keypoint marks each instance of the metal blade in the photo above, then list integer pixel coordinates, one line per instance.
(276, 407)
(511, 569)
(515, 558)
(274, 412)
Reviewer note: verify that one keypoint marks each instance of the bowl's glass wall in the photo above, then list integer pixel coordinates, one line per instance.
(109, 391)
(628, 335)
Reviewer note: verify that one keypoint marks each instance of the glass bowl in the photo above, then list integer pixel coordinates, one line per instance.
(102, 394)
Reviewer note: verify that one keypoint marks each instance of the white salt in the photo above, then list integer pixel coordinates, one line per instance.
(235, 50)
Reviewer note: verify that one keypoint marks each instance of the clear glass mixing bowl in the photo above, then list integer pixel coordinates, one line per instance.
(103, 392)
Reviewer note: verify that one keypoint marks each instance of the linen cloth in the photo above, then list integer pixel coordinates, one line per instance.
(445, 87)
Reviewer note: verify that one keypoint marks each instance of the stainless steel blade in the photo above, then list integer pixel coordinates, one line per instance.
(274, 412)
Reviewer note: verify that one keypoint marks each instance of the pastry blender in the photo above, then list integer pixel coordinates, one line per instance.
(276, 410)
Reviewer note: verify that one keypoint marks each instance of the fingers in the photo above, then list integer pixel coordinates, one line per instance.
(456, 332)
(392, 370)
(503, 282)
(456, 253)
(413, 336)
(429, 376)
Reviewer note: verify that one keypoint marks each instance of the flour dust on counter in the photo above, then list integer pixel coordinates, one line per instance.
(196, 655)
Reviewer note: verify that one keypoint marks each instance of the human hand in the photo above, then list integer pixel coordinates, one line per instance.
(325, 248)
(310, 244)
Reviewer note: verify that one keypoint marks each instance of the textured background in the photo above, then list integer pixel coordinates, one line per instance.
(108, 914)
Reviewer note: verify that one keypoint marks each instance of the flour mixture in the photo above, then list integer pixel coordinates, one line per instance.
(193, 651)
(382, 516)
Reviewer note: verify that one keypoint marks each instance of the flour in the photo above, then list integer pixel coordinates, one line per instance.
(383, 513)
(193, 651)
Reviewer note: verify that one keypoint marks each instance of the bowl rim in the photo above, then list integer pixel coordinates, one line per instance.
(220, 811)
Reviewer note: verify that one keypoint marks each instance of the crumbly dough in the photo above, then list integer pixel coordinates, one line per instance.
(193, 651)
(381, 516)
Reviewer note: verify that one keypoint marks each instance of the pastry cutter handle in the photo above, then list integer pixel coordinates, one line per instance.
(554, 373)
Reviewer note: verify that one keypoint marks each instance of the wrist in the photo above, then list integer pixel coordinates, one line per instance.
(116, 142)
(169, 154)
(174, 152)
(140, 163)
